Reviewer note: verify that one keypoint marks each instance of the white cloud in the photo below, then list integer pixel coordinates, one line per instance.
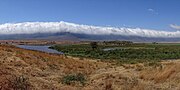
(151, 10)
(57, 27)
(175, 26)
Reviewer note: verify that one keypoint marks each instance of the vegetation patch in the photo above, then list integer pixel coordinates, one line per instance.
(74, 78)
(124, 52)
(16, 83)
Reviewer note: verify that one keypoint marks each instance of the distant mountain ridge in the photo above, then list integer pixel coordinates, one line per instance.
(85, 37)
(71, 31)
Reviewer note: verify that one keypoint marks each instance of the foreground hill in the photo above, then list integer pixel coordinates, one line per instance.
(25, 69)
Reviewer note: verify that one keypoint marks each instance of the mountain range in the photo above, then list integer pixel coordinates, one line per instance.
(70, 31)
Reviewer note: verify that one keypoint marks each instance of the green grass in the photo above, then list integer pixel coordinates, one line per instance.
(125, 54)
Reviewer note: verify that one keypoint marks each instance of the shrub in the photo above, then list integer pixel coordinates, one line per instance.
(94, 45)
(81, 58)
(155, 64)
(74, 78)
(19, 83)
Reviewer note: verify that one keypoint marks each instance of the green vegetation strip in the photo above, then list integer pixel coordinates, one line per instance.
(130, 53)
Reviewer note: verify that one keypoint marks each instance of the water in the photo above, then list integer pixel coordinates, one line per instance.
(125, 48)
(109, 49)
(39, 48)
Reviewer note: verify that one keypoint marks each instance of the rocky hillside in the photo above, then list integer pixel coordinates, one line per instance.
(31, 70)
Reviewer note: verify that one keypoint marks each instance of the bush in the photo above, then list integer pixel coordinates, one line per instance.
(20, 83)
(94, 45)
(74, 78)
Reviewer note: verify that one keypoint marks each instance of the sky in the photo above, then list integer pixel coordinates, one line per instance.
(148, 14)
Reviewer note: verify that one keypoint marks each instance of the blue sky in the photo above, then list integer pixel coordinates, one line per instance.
(149, 14)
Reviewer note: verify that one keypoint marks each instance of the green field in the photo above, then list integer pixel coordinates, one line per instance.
(132, 53)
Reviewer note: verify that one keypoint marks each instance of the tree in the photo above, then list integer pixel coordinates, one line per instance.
(94, 45)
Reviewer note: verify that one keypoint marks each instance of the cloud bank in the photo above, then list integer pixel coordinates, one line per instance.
(58, 27)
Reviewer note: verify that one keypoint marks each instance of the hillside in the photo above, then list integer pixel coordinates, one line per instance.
(41, 71)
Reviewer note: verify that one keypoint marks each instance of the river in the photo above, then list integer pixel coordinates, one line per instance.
(39, 48)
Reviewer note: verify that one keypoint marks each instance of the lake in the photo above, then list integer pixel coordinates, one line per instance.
(39, 48)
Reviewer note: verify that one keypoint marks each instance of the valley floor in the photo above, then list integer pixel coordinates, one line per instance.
(33, 70)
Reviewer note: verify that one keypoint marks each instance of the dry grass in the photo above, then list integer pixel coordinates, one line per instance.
(167, 77)
(42, 71)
